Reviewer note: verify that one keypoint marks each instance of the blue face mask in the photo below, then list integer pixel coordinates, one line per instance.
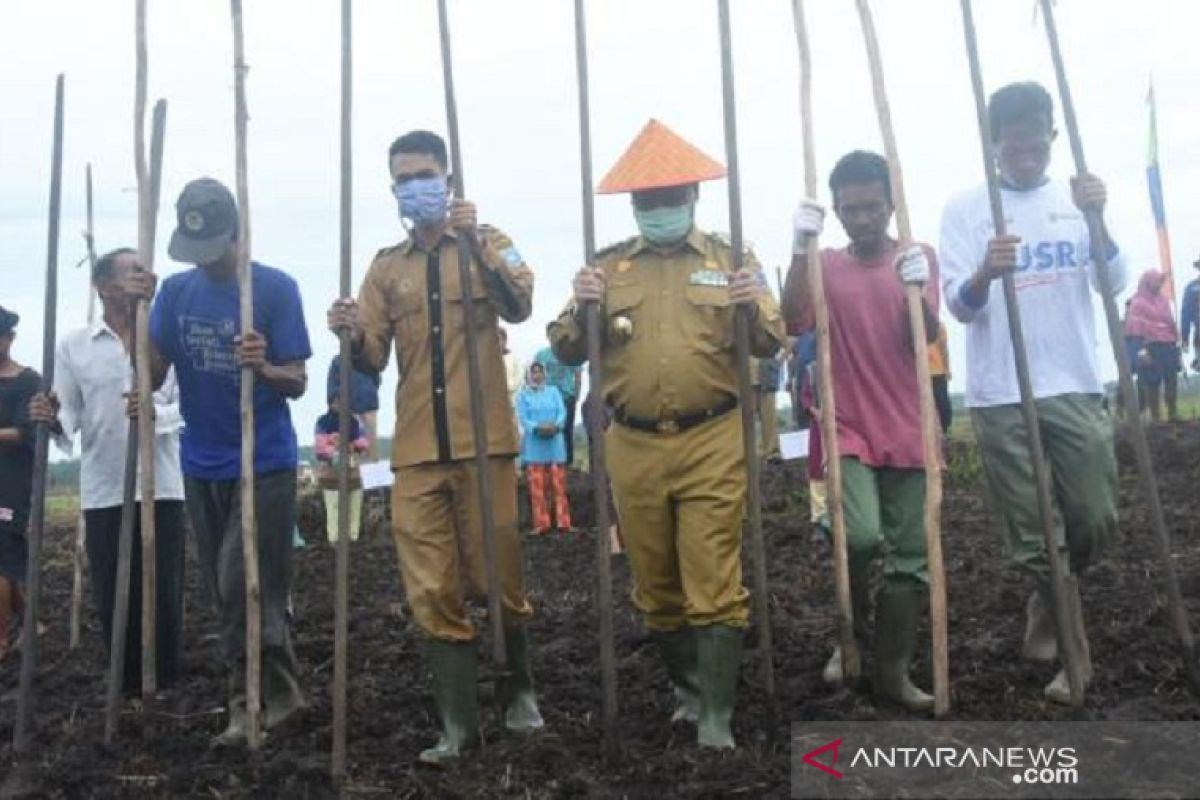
(665, 224)
(422, 200)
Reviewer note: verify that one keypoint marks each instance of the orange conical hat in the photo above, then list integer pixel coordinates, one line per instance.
(657, 158)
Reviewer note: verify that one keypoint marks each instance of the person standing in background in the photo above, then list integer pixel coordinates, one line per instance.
(1150, 327)
(765, 376)
(939, 377)
(567, 380)
(17, 385)
(542, 414)
(364, 399)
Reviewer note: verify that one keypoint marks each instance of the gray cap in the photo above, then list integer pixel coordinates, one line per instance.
(207, 221)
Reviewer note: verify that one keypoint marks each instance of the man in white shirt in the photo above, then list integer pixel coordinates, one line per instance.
(1047, 250)
(92, 379)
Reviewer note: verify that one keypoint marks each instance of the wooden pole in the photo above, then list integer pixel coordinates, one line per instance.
(474, 374)
(133, 454)
(762, 603)
(341, 611)
(145, 388)
(246, 299)
(1098, 237)
(23, 729)
(930, 434)
(1060, 586)
(851, 662)
(89, 238)
(604, 601)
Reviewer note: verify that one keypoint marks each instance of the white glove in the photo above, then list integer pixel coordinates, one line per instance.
(912, 265)
(807, 222)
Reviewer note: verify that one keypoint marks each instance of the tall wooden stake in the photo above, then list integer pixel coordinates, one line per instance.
(1141, 447)
(474, 374)
(341, 611)
(89, 238)
(604, 602)
(145, 388)
(851, 662)
(245, 289)
(23, 729)
(1061, 588)
(762, 604)
(120, 616)
(930, 436)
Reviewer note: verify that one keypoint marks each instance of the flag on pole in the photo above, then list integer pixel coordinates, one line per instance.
(1154, 179)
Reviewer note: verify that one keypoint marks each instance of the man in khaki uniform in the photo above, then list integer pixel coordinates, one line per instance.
(675, 451)
(412, 296)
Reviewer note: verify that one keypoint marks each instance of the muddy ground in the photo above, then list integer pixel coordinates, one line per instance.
(166, 752)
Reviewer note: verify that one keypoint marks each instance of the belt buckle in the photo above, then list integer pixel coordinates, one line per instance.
(667, 426)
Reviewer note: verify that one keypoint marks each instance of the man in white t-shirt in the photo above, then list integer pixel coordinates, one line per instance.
(1047, 250)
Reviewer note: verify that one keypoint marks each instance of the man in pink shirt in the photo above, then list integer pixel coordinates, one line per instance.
(878, 410)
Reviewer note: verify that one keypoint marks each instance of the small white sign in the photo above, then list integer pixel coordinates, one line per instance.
(793, 445)
(376, 475)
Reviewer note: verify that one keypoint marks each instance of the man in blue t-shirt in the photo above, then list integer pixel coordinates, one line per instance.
(194, 326)
(567, 380)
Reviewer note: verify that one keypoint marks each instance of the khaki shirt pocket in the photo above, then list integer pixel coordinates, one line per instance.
(621, 312)
(409, 320)
(708, 317)
(484, 312)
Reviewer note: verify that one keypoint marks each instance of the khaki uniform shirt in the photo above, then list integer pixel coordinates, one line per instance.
(413, 297)
(669, 327)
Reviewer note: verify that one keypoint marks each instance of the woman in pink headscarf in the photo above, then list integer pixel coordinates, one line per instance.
(1150, 326)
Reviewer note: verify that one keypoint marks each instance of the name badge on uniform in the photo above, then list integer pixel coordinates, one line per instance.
(708, 277)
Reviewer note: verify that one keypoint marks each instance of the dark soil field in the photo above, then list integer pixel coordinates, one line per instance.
(166, 752)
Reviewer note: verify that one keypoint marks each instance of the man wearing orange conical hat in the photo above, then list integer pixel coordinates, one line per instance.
(667, 299)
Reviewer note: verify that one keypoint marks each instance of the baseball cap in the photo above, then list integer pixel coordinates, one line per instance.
(207, 221)
(8, 321)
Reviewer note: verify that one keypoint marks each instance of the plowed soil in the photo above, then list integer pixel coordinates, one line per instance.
(166, 752)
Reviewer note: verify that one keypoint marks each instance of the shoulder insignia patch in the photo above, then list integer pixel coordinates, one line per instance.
(511, 256)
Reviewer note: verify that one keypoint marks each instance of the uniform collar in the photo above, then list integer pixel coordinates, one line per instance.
(409, 244)
(696, 240)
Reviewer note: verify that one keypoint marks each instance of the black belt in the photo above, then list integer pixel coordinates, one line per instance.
(675, 424)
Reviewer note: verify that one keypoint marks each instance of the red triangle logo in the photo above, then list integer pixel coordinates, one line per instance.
(810, 758)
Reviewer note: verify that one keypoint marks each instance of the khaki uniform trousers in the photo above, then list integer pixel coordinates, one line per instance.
(680, 498)
(438, 529)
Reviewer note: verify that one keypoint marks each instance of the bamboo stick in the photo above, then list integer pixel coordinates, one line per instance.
(930, 434)
(851, 661)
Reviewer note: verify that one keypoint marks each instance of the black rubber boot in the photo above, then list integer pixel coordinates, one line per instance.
(678, 651)
(455, 670)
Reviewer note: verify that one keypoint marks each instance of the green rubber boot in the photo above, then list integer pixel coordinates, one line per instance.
(860, 604)
(678, 651)
(900, 610)
(455, 669)
(521, 714)
(718, 657)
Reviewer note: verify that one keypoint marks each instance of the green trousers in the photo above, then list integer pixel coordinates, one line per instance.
(885, 509)
(1077, 436)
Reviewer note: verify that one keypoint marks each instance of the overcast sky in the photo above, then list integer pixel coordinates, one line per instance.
(515, 77)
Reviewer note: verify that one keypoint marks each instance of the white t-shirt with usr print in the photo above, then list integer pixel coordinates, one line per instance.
(1055, 285)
